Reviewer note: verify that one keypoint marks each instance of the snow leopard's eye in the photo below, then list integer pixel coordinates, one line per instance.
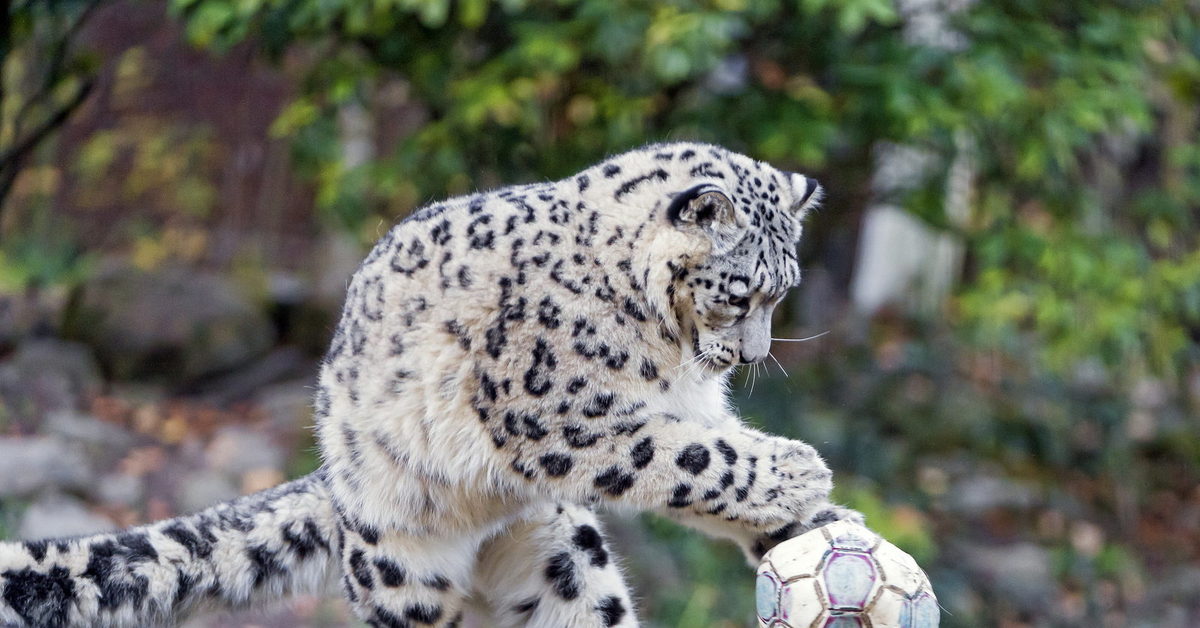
(739, 286)
(723, 315)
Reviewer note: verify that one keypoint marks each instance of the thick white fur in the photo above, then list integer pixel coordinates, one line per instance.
(504, 362)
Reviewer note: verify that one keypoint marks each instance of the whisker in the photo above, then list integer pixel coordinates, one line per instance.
(688, 361)
(695, 363)
(826, 332)
(777, 363)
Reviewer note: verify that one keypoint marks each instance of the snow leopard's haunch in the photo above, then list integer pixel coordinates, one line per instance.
(257, 547)
(504, 362)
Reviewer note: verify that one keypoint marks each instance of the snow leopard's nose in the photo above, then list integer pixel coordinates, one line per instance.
(752, 359)
(756, 336)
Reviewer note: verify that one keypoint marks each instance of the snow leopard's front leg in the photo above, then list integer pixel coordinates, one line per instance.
(553, 569)
(730, 481)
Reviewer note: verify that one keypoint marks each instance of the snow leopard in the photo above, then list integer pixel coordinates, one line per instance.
(506, 363)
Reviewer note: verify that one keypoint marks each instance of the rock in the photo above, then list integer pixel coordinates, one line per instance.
(287, 407)
(331, 609)
(32, 311)
(337, 256)
(46, 375)
(122, 489)
(56, 515)
(172, 324)
(101, 442)
(87, 430)
(287, 288)
(236, 450)
(975, 495)
(1017, 572)
(256, 480)
(309, 323)
(1170, 600)
(205, 488)
(28, 465)
(238, 385)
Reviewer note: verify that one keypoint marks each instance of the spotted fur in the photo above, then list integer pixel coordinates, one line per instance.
(504, 362)
(258, 547)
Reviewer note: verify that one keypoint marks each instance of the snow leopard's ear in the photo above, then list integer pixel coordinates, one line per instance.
(707, 210)
(806, 193)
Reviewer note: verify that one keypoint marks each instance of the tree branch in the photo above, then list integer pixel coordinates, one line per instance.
(12, 159)
(57, 59)
(5, 42)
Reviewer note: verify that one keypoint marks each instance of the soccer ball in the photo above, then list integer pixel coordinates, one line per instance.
(841, 576)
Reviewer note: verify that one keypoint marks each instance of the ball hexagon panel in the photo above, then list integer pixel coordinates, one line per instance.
(766, 595)
(849, 579)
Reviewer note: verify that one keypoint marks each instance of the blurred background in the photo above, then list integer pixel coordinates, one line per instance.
(1004, 281)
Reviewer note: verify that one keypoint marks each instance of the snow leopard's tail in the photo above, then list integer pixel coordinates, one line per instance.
(260, 546)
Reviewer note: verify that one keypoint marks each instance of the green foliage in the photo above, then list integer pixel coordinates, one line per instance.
(43, 78)
(164, 165)
(45, 254)
(510, 91)
(1113, 279)
(712, 597)
(515, 90)
(901, 525)
(1085, 295)
(10, 515)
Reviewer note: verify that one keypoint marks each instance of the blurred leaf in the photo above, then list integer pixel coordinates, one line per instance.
(903, 525)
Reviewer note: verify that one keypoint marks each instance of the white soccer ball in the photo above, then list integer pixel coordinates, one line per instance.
(843, 575)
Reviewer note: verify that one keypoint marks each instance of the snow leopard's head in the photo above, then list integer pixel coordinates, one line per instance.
(749, 215)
